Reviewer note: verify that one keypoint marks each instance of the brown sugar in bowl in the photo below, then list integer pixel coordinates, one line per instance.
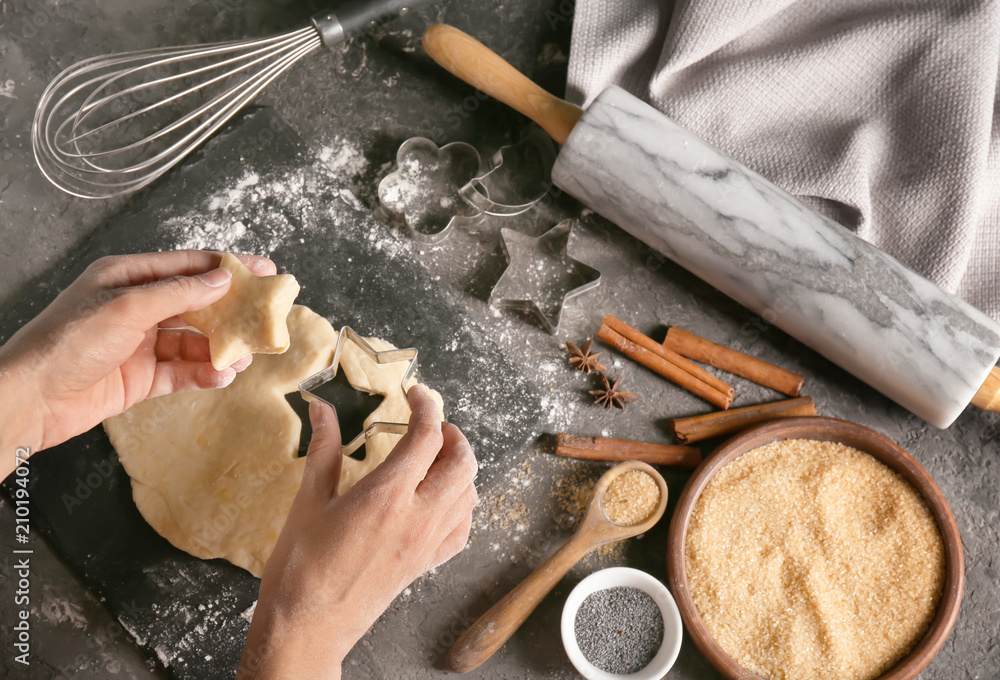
(831, 430)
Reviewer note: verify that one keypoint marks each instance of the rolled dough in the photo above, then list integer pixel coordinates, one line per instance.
(215, 471)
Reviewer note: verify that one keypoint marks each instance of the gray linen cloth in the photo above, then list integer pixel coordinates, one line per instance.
(883, 114)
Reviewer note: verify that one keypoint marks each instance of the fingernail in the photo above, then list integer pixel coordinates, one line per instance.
(225, 377)
(260, 264)
(216, 277)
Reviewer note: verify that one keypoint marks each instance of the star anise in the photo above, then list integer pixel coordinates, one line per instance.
(583, 358)
(609, 395)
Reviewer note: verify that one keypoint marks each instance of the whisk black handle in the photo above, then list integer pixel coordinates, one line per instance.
(354, 18)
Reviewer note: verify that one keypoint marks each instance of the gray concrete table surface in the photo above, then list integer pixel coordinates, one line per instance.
(355, 106)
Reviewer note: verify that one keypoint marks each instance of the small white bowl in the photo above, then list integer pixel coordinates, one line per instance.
(629, 578)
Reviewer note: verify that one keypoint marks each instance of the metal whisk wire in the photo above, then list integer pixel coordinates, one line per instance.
(90, 141)
(81, 133)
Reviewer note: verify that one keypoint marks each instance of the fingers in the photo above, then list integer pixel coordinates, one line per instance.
(181, 346)
(418, 448)
(456, 531)
(174, 322)
(156, 288)
(118, 271)
(450, 489)
(145, 306)
(136, 270)
(454, 469)
(324, 458)
(260, 266)
(185, 376)
(242, 363)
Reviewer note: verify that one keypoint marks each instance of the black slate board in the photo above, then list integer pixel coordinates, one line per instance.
(185, 611)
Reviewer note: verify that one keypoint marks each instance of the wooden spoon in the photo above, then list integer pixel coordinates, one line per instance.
(495, 627)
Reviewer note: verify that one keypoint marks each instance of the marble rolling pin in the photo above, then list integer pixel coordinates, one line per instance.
(816, 280)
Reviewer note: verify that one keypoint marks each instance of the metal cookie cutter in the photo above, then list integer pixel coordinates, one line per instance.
(311, 385)
(422, 194)
(515, 171)
(433, 190)
(541, 276)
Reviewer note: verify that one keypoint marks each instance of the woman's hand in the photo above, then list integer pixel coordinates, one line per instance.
(104, 344)
(341, 560)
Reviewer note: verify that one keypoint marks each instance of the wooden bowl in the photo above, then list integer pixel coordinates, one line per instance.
(863, 439)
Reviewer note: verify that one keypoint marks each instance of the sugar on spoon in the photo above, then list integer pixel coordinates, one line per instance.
(495, 627)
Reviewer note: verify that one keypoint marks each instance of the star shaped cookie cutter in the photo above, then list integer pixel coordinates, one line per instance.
(310, 386)
(541, 277)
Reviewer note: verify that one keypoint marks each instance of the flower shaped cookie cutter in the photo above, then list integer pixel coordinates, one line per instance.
(421, 194)
(310, 386)
(433, 190)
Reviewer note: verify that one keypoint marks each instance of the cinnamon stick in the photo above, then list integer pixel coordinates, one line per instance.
(697, 428)
(664, 368)
(614, 450)
(730, 360)
(646, 342)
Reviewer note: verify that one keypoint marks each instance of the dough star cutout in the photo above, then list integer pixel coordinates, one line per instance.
(250, 318)
(541, 276)
(312, 387)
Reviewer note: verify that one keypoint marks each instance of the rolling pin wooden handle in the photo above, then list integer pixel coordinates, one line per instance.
(494, 628)
(988, 396)
(476, 64)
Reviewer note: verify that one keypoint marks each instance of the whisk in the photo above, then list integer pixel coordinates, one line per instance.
(110, 125)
